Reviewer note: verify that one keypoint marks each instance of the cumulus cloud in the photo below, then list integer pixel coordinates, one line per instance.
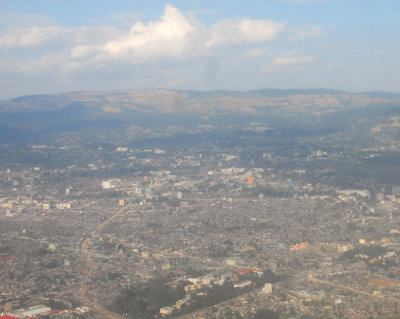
(289, 59)
(29, 37)
(58, 62)
(243, 31)
(174, 37)
(94, 35)
(41, 36)
(177, 36)
(171, 36)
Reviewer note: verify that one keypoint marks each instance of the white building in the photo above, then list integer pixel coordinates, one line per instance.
(242, 284)
(106, 184)
(267, 288)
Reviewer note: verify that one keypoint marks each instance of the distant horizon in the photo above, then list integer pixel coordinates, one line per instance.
(203, 91)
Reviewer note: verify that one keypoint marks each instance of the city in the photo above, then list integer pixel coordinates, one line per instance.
(205, 230)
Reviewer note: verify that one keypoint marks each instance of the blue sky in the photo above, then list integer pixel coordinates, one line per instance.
(52, 46)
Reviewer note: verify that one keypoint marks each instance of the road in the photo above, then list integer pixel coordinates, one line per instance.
(354, 290)
(85, 254)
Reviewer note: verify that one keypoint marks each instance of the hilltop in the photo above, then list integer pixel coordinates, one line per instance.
(317, 101)
(158, 112)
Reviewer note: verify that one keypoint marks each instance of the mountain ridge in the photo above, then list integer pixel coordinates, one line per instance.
(203, 102)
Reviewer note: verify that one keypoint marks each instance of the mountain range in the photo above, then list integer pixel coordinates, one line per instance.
(26, 118)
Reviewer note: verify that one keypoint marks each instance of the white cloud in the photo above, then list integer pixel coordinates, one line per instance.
(179, 37)
(44, 36)
(94, 35)
(169, 37)
(93, 51)
(243, 31)
(292, 58)
(255, 53)
(30, 37)
(58, 62)
(307, 32)
(165, 37)
(289, 59)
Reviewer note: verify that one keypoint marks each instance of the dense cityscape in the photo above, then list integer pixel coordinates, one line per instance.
(209, 222)
(199, 159)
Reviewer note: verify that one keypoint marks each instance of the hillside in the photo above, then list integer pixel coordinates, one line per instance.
(320, 101)
(160, 113)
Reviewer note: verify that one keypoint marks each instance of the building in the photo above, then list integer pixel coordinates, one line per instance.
(106, 185)
(63, 205)
(267, 288)
(195, 287)
(38, 310)
(245, 271)
(32, 312)
(166, 311)
(243, 284)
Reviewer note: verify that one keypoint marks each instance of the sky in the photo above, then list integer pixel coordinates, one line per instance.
(54, 46)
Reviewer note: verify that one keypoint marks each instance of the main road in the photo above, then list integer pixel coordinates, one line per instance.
(85, 254)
